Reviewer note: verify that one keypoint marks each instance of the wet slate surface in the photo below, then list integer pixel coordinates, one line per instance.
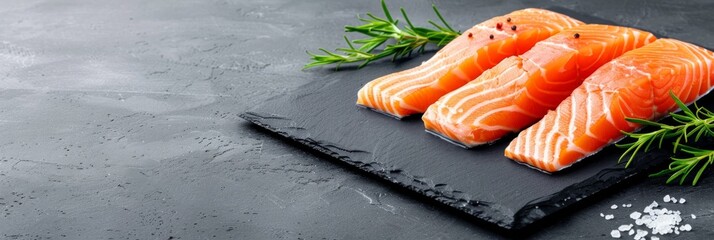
(120, 121)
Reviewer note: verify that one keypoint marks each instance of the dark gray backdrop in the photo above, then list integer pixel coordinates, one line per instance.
(119, 121)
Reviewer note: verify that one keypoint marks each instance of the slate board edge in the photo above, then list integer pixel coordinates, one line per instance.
(476, 210)
(522, 219)
(604, 181)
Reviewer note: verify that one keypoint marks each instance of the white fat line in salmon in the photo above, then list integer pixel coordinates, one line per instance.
(382, 96)
(424, 70)
(469, 86)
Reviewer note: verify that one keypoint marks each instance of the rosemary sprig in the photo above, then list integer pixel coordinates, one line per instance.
(681, 167)
(691, 124)
(379, 31)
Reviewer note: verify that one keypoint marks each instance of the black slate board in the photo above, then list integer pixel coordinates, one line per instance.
(480, 182)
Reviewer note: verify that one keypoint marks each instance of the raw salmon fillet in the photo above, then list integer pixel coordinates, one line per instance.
(635, 85)
(465, 58)
(520, 90)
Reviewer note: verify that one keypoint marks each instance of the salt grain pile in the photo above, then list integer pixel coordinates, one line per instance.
(651, 221)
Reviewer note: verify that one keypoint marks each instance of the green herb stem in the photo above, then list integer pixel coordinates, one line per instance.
(691, 125)
(380, 30)
(682, 167)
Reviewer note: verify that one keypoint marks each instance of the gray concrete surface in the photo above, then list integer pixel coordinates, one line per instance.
(119, 121)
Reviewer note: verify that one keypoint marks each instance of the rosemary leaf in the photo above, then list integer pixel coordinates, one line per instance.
(690, 124)
(379, 30)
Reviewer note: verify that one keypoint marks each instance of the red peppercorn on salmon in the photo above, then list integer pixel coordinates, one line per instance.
(521, 89)
(635, 85)
(465, 58)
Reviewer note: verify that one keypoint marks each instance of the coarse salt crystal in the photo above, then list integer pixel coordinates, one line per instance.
(646, 220)
(635, 215)
(640, 234)
(658, 221)
(624, 228)
(648, 209)
(664, 222)
(615, 234)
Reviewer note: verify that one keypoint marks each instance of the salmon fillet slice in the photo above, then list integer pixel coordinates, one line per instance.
(635, 85)
(465, 58)
(521, 89)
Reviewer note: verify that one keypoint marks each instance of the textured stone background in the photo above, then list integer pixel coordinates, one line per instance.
(119, 121)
